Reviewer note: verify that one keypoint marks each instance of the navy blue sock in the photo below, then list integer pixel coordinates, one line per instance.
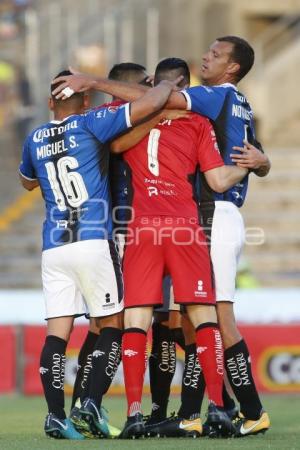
(105, 361)
(84, 367)
(52, 372)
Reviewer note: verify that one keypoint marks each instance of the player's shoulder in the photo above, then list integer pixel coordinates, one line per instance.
(101, 111)
(38, 133)
(216, 88)
(113, 104)
(232, 90)
(199, 120)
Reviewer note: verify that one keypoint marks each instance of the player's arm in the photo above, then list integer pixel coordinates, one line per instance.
(153, 100)
(252, 158)
(29, 185)
(134, 136)
(26, 170)
(218, 176)
(106, 124)
(126, 91)
(220, 179)
(81, 82)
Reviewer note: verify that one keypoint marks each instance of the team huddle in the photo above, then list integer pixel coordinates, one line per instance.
(143, 230)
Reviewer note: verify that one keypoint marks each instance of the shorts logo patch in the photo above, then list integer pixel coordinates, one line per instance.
(108, 304)
(199, 292)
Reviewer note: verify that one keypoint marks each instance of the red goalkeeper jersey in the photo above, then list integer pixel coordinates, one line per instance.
(163, 165)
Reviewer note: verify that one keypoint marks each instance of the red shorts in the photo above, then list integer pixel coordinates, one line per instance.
(158, 246)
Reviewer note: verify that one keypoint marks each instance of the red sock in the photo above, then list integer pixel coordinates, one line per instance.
(211, 359)
(134, 366)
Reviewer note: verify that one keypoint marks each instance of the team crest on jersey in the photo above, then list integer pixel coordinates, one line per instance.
(112, 109)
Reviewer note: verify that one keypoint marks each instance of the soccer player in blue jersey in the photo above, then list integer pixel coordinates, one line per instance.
(228, 60)
(118, 181)
(67, 159)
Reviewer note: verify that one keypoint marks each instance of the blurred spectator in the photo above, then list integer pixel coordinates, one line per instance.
(24, 109)
(7, 78)
(8, 21)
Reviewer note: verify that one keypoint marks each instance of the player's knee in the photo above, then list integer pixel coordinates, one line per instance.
(229, 332)
(188, 330)
(161, 317)
(199, 314)
(94, 326)
(175, 319)
(114, 321)
(138, 318)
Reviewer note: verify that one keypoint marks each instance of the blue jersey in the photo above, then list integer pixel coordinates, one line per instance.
(70, 161)
(232, 119)
(121, 191)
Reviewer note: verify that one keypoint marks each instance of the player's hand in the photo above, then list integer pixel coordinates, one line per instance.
(70, 84)
(150, 79)
(173, 84)
(250, 157)
(173, 114)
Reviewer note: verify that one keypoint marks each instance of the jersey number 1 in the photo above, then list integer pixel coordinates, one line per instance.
(71, 182)
(152, 151)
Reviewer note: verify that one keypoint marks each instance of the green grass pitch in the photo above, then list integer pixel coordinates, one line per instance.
(21, 428)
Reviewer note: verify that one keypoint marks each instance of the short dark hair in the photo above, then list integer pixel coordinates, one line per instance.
(64, 73)
(176, 65)
(125, 71)
(242, 53)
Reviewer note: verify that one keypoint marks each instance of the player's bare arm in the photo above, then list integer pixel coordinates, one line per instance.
(134, 136)
(153, 100)
(29, 185)
(223, 178)
(81, 82)
(252, 158)
(126, 91)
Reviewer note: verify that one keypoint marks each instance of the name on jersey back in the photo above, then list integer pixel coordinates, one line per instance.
(239, 110)
(56, 147)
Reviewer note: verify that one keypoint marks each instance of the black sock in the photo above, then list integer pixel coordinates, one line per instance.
(178, 337)
(105, 361)
(52, 372)
(227, 400)
(238, 367)
(163, 365)
(193, 385)
(84, 367)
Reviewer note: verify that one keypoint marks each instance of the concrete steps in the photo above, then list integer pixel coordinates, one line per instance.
(273, 204)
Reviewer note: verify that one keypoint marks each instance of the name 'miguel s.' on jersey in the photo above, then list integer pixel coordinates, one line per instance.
(70, 161)
(232, 119)
(164, 163)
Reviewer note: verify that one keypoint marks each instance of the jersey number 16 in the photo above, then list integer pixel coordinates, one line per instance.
(74, 190)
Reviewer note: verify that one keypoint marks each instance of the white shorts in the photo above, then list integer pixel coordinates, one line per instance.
(227, 240)
(82, 277)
